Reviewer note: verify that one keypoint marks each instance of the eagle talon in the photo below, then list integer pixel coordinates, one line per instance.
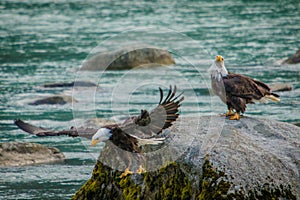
(236, 116)
(140, 170)
(126, 173)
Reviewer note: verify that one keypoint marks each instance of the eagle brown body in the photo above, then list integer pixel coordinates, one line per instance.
(236, 90)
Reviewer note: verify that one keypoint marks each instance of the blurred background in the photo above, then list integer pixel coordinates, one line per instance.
(46, 42)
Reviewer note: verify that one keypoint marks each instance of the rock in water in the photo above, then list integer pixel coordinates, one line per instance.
(56, 99)
(19, 154)
(70, 84)
(280, 87)
(128, 58)
(246, 159)
(293, 59)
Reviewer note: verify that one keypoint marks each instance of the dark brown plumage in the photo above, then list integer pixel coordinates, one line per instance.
(237, 90)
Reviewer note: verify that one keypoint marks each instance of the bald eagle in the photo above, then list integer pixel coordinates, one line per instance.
(237, 90)
(130, 135)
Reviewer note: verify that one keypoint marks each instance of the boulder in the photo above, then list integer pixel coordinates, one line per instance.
(294, 59)
(70, 84)
(207, 158)
(128, 58)
(280, 87)
(19, 154)
(56, 99)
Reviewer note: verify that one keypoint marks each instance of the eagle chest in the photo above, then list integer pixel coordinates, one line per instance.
(124, 141)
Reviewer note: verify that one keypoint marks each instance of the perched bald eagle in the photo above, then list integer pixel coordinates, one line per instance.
(237, 90)
(133, 133)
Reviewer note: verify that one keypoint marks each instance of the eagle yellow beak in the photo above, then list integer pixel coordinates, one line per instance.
(94, 142)
(219, 58)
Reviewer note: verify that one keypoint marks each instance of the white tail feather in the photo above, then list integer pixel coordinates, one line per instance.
(152, 141)
(272, 98)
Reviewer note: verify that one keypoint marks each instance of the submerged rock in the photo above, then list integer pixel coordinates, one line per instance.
(128, 58)
(19, 154)
(202, 159)
(293, 59)
(56, 99)
(71, 84)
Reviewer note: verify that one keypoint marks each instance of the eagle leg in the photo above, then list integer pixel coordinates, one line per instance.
(236, 116)
(126, 173)
(140, 170)
(229, 113)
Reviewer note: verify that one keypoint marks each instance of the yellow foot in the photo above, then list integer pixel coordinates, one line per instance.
(126, 173)
(236, 116)
(229, 113)
(140, 170)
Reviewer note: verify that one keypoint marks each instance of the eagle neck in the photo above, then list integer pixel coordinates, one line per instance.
(218, 72)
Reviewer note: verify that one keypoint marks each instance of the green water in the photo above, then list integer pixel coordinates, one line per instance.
(45, 42)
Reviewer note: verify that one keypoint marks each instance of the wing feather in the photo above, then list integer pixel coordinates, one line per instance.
(244, 87)
(41, 131)
(162, 117)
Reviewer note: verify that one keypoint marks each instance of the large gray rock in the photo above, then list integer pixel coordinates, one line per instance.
(128, 58)
(19, 154)
(207, 158)
(293, 59)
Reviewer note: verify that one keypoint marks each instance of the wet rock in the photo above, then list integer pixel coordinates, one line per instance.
(97, 122)
(297, 124)
(280, 87)
(294, 59)
(128, 58)
(207, 158)
(71, 84)
(56, 99)
(19, 154)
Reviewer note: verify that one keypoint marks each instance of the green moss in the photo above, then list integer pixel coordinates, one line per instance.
(130, 191)
(168, 183)
(214, 183)
(173, 181)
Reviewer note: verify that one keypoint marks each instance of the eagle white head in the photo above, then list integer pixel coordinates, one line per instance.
(218, 69)
(102, 135)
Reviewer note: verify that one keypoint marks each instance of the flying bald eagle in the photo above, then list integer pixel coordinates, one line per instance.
(237, 90)
(130, 135)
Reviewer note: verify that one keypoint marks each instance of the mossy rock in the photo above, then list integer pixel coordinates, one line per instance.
(251, 159)
(173, 182)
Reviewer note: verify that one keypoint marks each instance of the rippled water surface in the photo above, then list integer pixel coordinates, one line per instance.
(45, 42)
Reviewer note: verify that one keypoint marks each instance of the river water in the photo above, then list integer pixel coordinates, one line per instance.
(46, 42)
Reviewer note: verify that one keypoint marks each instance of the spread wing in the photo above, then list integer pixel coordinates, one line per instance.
(40, 131)
(244, 87)
(162, 117)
